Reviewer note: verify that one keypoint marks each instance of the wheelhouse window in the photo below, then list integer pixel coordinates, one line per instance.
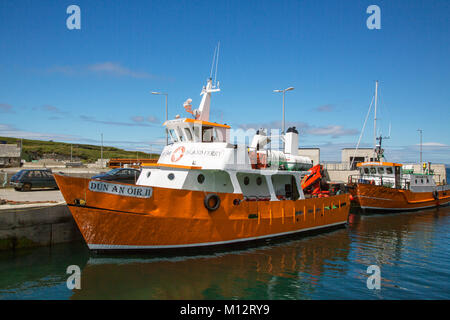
(373, 170)
(380, 170)
(366, 170)
(389, 170)
(188, 134)
(180, 134)
(173, 135)
(197, 133)
(212, 134)
(207, 134)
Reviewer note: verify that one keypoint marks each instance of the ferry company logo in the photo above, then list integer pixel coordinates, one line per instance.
(119, 189)
(178, 154)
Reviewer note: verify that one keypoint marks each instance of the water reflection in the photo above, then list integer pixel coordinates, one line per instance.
(412, 250)
(283, 270)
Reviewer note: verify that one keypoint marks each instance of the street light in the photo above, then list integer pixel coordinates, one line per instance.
(167, 95)
(284, 91)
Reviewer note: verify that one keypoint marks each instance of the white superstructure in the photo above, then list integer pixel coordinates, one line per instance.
(201, 157)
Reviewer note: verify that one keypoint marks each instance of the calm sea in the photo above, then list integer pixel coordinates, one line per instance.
(412, 251)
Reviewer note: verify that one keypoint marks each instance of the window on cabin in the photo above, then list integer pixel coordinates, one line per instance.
(389, 170)
(207, 134)
(380, 170)
(180, 134)
(188, 134)
(366, 170)
(219, 135)
(373, 170)
(173, 135)
(197, 133)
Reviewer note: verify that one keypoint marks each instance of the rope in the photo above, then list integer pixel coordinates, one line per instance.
(362, 131)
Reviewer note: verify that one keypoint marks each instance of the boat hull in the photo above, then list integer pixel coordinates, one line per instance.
(376, 198)
(173, 218)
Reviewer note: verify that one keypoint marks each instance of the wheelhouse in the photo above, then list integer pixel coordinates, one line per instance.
(197, 131)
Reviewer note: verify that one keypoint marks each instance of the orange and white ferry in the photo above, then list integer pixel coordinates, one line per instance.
(203, 191)
(384, 186)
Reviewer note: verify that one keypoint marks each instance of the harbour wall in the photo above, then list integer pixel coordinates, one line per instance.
(23, 226)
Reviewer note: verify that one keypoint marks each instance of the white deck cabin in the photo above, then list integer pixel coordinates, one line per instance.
(202, 158)
(390, 174)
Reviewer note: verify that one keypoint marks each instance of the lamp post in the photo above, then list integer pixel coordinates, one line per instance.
(167, 95)
(101, 151)
(283, 122)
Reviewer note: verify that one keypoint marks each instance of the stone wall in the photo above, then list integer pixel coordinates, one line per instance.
(30, 225)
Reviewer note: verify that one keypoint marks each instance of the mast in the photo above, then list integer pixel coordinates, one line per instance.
(375, 117)
(421, 165)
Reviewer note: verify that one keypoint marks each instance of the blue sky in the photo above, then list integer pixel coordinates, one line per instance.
(72, 85)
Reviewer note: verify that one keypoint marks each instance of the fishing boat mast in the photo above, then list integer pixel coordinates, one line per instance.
(375, 119)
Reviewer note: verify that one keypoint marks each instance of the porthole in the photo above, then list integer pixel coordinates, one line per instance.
(148, 174)
(200, 178)
(259, 181)
(246, 180)
(171, 176)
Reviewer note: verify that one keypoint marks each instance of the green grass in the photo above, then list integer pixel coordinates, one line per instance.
(35, 149)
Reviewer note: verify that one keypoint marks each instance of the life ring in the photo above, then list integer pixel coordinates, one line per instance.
(178, 154)
(212, 197)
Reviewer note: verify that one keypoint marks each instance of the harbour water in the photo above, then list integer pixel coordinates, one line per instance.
(412, 251)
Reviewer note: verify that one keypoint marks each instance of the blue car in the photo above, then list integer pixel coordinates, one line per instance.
(125, 175)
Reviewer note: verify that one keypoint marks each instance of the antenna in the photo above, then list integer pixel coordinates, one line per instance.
(212, 65)
(217, 62)
(375, 116)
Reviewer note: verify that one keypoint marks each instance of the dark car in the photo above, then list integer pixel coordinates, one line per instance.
(26, 179)
(125, 175)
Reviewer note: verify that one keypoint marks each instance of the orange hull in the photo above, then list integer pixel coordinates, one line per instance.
(173, 218)
(373, 197)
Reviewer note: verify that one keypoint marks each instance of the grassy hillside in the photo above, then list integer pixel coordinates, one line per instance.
(35, 150)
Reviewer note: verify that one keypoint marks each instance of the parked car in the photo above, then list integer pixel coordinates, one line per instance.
(26, 179)
(125, 175)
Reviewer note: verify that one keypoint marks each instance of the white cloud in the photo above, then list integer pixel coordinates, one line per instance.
(304, 128)
(10, 131)
(101, 68)
(116, 69)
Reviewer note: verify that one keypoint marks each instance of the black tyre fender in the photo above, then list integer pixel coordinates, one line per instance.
(435, 195)
(207, 200)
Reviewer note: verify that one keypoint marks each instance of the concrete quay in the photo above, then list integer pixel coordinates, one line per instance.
(40, 218)
(32, 225)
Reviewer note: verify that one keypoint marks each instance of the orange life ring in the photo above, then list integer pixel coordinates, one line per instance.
(175, 157)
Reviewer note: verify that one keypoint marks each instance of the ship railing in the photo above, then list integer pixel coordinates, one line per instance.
(379, 181)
